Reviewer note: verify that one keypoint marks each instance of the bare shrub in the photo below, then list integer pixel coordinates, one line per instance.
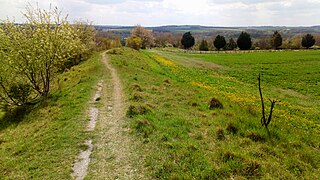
(215, 103)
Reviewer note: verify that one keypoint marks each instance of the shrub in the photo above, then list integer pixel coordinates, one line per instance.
(203, 46)
(134, 42)
(214, 103)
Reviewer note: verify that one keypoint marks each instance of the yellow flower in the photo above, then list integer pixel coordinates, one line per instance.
(201, 85)
(164, 61)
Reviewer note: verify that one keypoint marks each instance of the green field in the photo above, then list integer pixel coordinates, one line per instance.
(42, 141)
(294, 70)
(169, 93)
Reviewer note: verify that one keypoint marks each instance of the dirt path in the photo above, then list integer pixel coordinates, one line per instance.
(80, 167)
(115, 152)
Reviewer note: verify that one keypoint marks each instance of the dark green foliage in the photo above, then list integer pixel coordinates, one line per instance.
(231, 45)
(20, 93)
(308, 41)
(219, 42)
(203, 45)
(276, 40)
(187, 40)
(244, 41)
(15, 94)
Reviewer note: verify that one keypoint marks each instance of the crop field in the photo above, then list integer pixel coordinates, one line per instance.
(168, 95)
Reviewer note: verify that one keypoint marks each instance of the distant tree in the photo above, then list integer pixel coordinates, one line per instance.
(219, 42)
(231, 45)
(106, 40)
(187, 40)
(276, 40)
(308, 41)
(293, 42)
(145, 35)
(163, 39)
(203, 45)
(317, 38)
(263, 43)
(244, 41)
(134, 42)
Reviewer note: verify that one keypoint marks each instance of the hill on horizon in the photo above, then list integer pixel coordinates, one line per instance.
(207, 31)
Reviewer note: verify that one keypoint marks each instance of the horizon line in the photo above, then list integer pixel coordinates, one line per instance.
(219, 26)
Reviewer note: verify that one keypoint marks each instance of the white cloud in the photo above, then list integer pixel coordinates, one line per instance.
(162, 12)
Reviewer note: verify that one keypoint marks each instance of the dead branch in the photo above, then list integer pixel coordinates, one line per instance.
(265, 122)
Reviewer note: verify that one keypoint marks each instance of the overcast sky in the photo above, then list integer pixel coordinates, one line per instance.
(178, 12)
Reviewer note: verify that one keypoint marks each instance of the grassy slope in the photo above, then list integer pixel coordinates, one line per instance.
(184, 139)
(44, 142)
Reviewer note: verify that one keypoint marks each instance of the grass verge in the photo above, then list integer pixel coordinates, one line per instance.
(42, 141)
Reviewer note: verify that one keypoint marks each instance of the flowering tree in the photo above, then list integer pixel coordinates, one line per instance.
(32, 53)
(147, 39)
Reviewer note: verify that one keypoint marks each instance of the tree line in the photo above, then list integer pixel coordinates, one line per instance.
(243, 42)
(144, 38)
